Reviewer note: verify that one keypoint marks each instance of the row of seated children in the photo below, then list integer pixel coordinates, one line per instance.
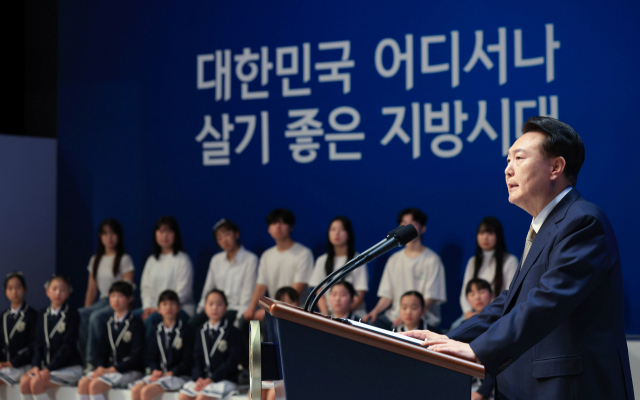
(39, 350)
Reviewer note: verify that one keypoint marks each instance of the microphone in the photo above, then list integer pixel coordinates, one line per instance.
(338, 270)
(396, 238)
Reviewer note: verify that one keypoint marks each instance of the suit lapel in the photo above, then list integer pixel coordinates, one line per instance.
(542, 237)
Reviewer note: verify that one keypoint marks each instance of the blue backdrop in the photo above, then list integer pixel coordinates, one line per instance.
(204, 110)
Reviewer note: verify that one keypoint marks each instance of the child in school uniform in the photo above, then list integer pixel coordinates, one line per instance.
(170, 352)
(18, 332)
(119, 360)
(412, 309)
(56, 360)
(341, 298)
(288, 295)
(218, 351)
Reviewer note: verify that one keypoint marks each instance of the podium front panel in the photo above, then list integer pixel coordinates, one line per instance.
(319, 365)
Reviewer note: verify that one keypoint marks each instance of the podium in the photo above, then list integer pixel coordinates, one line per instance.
(320, 358)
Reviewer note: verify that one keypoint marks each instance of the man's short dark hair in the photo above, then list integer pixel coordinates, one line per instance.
(417, 215)
(281, 214)
(123, 287)
(560, 141)
(169, 295)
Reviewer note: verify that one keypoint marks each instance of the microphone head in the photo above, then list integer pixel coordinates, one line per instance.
(394, 232)
(405, 234)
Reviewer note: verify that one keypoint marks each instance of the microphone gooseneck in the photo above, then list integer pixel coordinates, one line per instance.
(396, 238)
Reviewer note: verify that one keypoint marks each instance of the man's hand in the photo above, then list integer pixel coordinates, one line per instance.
(33, 371)
(453, 348)
(155, 375)
(147, 312)
(397, 321)
(424, 335)
(476, 396)
(248, 315)
(370, 317)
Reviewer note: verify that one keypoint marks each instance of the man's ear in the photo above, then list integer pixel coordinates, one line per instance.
(558, 165)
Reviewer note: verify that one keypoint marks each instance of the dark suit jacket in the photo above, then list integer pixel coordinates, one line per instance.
(558, 332)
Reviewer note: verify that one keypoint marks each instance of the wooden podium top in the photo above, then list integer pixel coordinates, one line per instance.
(322, 323)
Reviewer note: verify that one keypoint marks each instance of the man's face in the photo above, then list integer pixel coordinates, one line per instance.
(528, 173)
(279, 230)
(227, 239)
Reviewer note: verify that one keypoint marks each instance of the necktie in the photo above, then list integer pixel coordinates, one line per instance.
(527, 245)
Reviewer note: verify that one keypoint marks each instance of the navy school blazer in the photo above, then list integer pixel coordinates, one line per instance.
(124, 348)
(558, 332)
(57, 339)
(217, 354)
(18, 336)
(178, 358)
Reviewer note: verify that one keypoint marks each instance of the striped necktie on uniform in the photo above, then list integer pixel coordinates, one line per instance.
(527, 245)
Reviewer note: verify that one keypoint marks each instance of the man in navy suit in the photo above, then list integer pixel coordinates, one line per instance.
(558, 332)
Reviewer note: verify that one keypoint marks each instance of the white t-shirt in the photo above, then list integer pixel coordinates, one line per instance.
(488, 272)
(236, 279)
(171, 271)
(278, 269)
(104, 277)
(359, 277)
(424, 273)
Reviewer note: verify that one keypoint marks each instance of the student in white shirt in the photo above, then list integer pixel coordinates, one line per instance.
(110, 264)
(340, 249)
(169, 267)
(491, 250)
(232, 270)
(415, 267)
(288, 263)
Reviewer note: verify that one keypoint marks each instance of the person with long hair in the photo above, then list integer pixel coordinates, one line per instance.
(341, 249)
(110, 264)
(169, 267)
(491, 250)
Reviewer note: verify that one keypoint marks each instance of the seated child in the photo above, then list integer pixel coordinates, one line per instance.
(412, 311)
(479, 295)
(56, 360)
(18, 331)
(170, 352)
(119, 360)
(289, 295)
(341, 297)
(218, 351)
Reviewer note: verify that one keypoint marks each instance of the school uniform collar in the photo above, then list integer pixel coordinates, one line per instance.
(208, 354)
(121, 319)
(177, 326)
(54, 311)
(19, 314)
(168, 331)
(113, 340)
(216, 327)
